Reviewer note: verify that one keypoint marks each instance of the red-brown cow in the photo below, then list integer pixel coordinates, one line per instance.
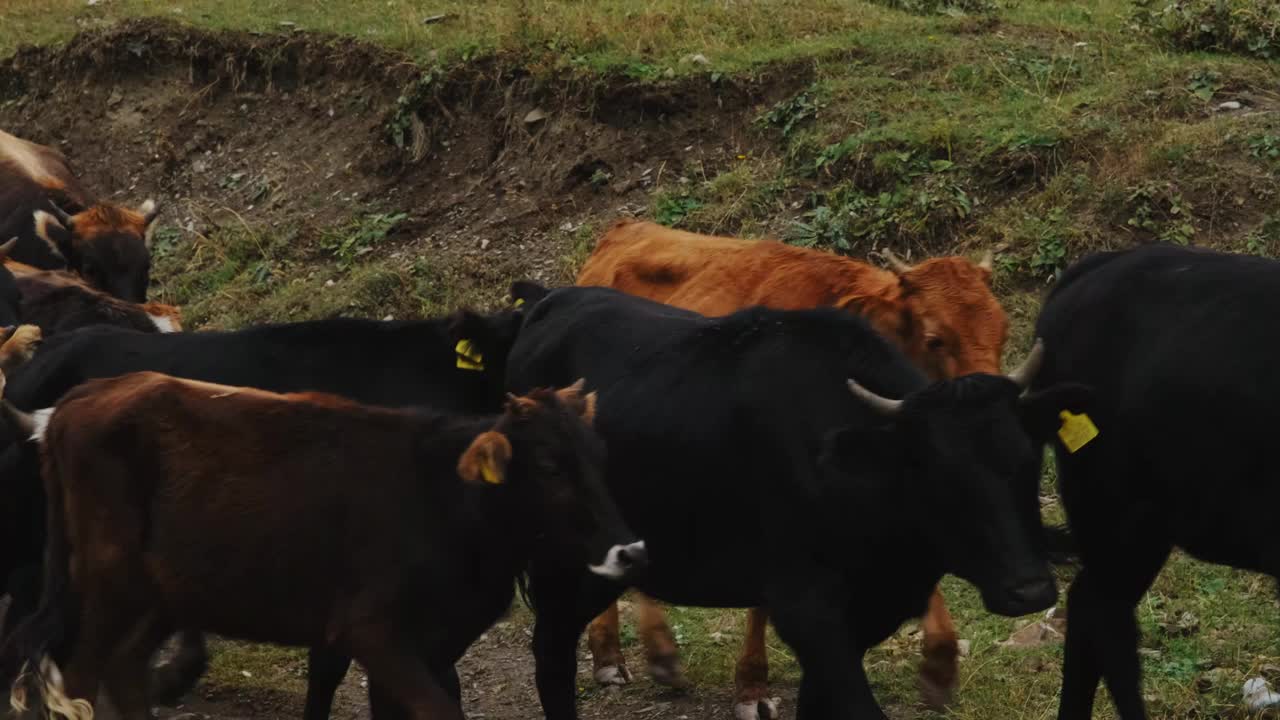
(393, 536)
(941, 312)
(60, 225)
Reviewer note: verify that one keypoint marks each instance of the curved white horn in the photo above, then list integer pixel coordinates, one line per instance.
(987, 261)
(882, 405)
(7, 248)
(1029, 367)
(61, 215)
(896, 263)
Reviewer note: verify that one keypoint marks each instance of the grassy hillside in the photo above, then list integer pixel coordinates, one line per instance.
(1042, 129)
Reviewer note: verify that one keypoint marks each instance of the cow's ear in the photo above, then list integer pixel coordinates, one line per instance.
(486, 459)
(478, 339)
(861, 459)
(887, 317)
(1042, 411)
(526, 293)
(54, 234)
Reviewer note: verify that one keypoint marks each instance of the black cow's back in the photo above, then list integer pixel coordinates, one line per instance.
(712, 424)
(1180, 347)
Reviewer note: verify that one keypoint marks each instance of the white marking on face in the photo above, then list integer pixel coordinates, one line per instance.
(42, 418)
(613, 566)
(163, 323)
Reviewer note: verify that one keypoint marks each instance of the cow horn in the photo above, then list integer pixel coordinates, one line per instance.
(1029, 367)
(882, 405)
(7, 248)
(896, 263)
(149, 210)
(988, 259)
(61, 215)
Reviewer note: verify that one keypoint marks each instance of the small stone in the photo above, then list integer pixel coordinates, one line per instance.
(1258, 695)
(669, 73)
(1230, 105)
(696, 59)
(115, 98)
(484, 243)
(246, 673)
(535, 115)
(388, 318)
(329, 283)
(963, 647)
(1034, 635)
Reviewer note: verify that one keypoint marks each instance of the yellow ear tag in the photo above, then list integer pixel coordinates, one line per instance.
(468, 358)
(1076, 431)
(490, 475)
(519, 302)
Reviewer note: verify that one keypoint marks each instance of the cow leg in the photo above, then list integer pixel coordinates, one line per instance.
(751, 676)
(383, 706)
(127, 674)
(564, 608)
(326, 668)
(939, 670)
(177, 677)
(659, 643)
(610, 668)
(1102, 635)
(811, 617)
(396, 667)
(24, 597)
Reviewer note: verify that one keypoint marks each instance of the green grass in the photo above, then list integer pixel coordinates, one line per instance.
(1044, 129)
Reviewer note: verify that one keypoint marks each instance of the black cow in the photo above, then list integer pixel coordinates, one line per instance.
(1180, 348)
(17, 343)
(393, 364)
(759, 480)
(10, 295)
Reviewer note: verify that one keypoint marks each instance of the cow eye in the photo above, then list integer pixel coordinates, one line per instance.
(933, 342)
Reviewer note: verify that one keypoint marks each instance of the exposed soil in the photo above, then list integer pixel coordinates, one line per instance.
(297, 131)
(294, 131)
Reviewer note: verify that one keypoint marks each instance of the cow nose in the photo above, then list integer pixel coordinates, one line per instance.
(1034, 593)
(633, 557)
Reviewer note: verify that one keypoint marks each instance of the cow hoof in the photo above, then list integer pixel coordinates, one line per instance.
(613, 675)
(935, 695)
(667, 671)
(762, 709)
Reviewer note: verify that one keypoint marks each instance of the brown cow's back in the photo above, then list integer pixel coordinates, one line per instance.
(285, 541)
(43, 165)
(941, 311)
(715, 275)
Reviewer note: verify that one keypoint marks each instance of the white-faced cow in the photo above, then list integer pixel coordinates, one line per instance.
(60, 225)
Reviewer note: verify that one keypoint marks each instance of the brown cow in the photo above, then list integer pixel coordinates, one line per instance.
(940, 311)
(59, 301)
(394, 536)
(61, 226)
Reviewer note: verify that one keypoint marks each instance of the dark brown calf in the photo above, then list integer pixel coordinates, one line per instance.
(58, 301)
(393, 536)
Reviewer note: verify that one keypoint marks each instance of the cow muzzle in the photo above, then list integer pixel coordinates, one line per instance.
(1022, 598)
(622, 561)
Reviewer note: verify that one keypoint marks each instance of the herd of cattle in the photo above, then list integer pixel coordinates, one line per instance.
(711, 421)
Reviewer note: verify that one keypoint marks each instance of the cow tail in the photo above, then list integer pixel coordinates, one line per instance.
(45, 632)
